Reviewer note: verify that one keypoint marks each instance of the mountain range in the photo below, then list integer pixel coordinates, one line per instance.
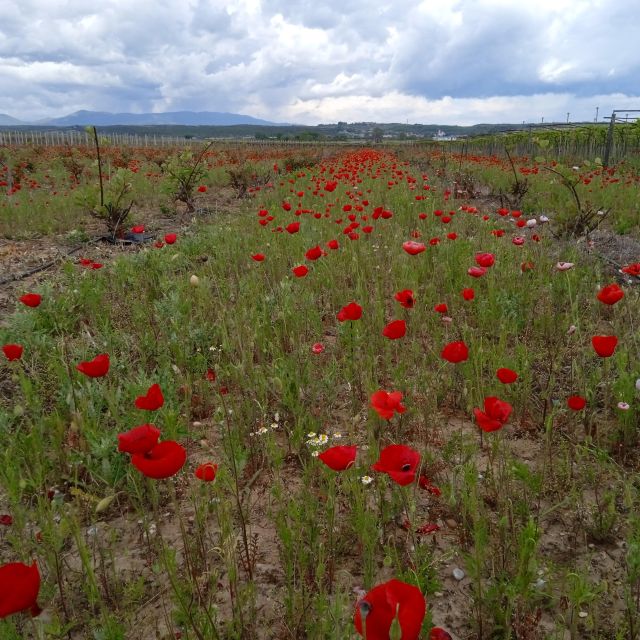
(106, 119)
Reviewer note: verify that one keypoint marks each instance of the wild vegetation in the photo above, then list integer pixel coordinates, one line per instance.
(383, 392)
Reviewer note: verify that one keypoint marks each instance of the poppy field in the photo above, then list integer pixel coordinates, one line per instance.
(341, 395)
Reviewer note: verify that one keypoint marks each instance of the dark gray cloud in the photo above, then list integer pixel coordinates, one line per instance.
(308, 61)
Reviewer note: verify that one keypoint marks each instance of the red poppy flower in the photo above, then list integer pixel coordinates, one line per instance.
(19, 587)
(386, 404)
(170, 238)
(610, 294)
(518, 241)
(506, 376)
(330, 186)
(441, 308)
(576, 402)
(395, 330)
(202, 189)
(86, 262)
(604, 345)
(258, 257)
(496, 413)
(352, 311)
(300, 271)
(413, 248)
(6, 520)
(632, 269)
(333, 244)
(485, 259)
(339, 458)
(378, 609)
(153, 400)
(452, 236)
(158, 244)
(210, 375)
(468, 294)
(286, 206)
(476, 272)
(95, 368)
(399, 462)
(138, 229)
(405, 298)
(455, 352)
(140, 439)
(293, 227)
(13, 351)
(96, 265)
(317, 348)
(425, 483)
(438, 633)
(163, 461)
(31, 299)
(207, 472)
(314, 253)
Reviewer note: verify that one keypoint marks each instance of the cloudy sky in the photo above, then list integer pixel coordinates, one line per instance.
(314, 61)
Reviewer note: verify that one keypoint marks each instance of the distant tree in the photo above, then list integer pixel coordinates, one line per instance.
(376, 134)
(308, 136)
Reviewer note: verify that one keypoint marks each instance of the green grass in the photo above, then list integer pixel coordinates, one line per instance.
(277, 545)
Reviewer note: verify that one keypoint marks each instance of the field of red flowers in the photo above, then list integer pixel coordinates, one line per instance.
(333, 394)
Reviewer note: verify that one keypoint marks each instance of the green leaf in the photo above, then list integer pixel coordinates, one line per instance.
(105, 503)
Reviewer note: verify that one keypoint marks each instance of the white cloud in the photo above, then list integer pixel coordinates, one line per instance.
(312, 61)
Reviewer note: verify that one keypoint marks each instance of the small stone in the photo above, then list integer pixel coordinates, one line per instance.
(458, 574)
(438, 594)
(583, 614)
(451, 523)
